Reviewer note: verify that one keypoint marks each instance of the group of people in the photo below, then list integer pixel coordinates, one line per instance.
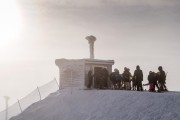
(157, 80)
(127, 81)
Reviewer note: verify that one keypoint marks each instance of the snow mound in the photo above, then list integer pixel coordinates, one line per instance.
(105, 105)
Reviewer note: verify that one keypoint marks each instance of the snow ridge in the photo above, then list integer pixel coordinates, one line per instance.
(105, 105)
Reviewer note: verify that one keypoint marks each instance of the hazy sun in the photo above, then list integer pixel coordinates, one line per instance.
(10, 22)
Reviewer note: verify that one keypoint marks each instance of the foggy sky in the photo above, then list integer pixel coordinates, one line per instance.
(142, 32)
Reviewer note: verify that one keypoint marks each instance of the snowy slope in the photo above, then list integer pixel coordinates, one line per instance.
(105, 105)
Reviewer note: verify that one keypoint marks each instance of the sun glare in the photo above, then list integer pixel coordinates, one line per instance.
(10, 23)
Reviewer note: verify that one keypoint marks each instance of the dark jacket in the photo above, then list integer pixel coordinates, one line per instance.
(162, 76)
(151, 78)
(138, 74)
(126, 76)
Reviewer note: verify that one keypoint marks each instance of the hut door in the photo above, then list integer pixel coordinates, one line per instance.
(98, 73)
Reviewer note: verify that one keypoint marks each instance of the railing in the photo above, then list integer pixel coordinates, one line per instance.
(38, 94)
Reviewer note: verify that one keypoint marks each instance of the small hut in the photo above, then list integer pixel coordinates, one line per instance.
(74, 72)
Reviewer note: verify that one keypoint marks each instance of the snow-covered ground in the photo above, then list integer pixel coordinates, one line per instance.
(105, 105)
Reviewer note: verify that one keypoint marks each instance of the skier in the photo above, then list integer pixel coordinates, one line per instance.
(155, 84)
(151, 78)
(152, 82)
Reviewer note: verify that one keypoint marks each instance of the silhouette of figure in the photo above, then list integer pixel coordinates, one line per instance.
(126, 78)
(151, 79)
(155, 79)
(138, 76)
(134, 83)
(115, 78)
(162, 79)
(90, 78)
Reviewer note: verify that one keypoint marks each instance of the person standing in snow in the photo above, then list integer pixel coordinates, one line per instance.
(134, 83)
(151, 78)
(115, 78)
(155, 84)
(138, 76)
(162, 79)
(126, 79)
(130, 78)
(152, 82)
